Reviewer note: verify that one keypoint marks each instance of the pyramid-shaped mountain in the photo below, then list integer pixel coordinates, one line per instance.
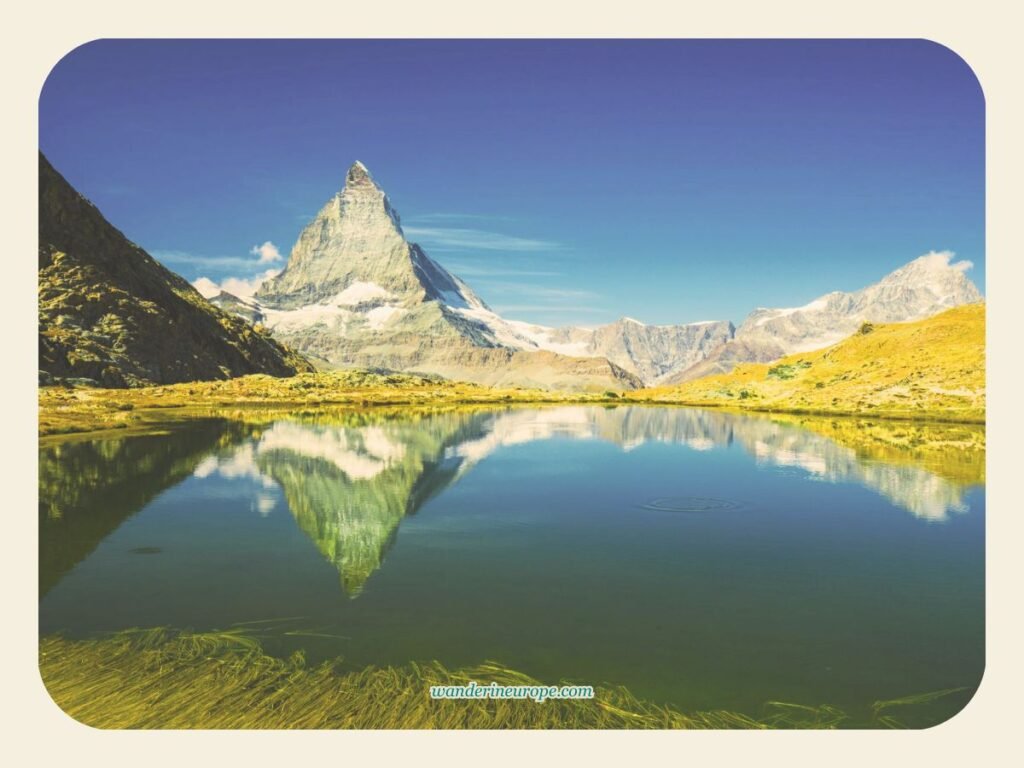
(355, 293)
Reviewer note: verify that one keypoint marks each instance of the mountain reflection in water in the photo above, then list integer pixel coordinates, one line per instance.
(350, 478)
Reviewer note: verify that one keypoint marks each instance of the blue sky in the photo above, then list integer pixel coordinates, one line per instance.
(566, 181)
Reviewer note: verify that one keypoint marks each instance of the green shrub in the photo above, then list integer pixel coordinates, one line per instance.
(787, 371)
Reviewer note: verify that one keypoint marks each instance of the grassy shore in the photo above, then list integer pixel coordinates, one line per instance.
(65, 410)
(223, 680)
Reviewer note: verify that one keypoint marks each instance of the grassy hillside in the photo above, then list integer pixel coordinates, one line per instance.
(929, 369)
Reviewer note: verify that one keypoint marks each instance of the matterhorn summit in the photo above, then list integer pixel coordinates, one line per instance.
(354, 251)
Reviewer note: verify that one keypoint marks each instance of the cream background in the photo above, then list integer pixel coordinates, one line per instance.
(984, 33)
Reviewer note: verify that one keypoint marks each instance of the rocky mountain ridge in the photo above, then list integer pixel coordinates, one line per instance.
(111, 315)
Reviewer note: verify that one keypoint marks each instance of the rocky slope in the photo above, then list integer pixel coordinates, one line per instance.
(656, 352)
(652, 353)
(109, 314)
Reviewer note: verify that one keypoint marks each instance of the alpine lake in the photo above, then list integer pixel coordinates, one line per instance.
(700, 558)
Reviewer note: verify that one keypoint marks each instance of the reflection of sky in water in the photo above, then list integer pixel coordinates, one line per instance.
(364, 453)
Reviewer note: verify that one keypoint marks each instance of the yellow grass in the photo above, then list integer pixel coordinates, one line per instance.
(929, 369)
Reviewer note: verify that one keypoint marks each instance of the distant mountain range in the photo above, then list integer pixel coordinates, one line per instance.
(924, 287)
(355, 293)
(111, 315)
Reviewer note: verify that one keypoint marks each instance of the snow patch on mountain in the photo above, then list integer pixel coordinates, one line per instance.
(359, 292)
(378, 317)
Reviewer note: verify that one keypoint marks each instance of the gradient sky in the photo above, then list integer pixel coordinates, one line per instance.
(566, 181)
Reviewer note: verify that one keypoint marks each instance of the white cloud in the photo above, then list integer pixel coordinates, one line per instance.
(247, 287)
(239, 286)
(206, 287)
(945, 259)
(267, 252)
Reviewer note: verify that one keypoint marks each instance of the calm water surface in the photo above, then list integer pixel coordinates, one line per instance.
(703, 559)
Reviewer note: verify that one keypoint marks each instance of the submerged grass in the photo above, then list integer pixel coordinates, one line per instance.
(157, 678)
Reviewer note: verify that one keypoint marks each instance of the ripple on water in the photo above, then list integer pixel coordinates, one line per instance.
(690, 504)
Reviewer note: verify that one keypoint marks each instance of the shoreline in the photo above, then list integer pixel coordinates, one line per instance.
(112, 412)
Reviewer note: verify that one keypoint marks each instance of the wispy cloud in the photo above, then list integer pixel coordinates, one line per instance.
(476, 270)
(463, 239)
(264, 254)
(537, 292)
(430, 218)
(210, 262)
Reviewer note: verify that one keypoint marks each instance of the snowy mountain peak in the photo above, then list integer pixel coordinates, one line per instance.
(933, 268)
(359, 175)
(352, 279)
